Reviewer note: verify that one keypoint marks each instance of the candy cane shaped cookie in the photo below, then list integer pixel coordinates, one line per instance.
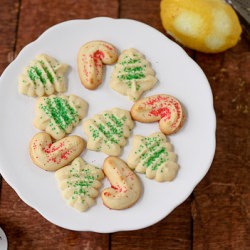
(125, 187)
(90, 60)
(52, 156)
(163, 108)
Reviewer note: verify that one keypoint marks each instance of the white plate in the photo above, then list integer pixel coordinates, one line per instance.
(3, 240)
(178, 76)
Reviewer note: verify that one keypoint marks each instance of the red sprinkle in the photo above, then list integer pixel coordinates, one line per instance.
(108, 47)
(162, 112)
(98, 55)
(50, 149)
(107, 194)
(151, 102)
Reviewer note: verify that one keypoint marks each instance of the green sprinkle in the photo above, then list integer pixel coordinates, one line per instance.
(35, 73)
(112, 129)
(59, 110)
(154, 157)
(131, 71)
(49, 75)
(152, 152)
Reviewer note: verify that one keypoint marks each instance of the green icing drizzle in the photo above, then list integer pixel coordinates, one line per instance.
(59, 110)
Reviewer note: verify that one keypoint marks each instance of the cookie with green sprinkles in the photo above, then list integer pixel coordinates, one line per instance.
(108, 131)
(153, 156)
(58, 115)
(79, 183)
(43, 76)
(132, 74)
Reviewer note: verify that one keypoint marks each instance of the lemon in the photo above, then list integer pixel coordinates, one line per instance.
(209, 26)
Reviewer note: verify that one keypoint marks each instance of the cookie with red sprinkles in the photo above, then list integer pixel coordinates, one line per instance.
(163, 108)
(90, 60)
(125, 187)
(52, 156)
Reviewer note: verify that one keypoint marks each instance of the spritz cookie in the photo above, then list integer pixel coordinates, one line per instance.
(132, 74)
(50, 155)
(42, 77)
(152, 155)
(90, 60)
(58, 115)
(163, 108)
(79, 183)
(125, 187)
(108, 131)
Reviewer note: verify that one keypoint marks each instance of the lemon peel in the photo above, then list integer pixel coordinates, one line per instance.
(209, 26)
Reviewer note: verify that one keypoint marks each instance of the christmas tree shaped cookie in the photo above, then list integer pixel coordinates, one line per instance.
(132, 74)
(108, 131)
(79, 183)
(58, 115)
(43, 76)
(153, 156)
